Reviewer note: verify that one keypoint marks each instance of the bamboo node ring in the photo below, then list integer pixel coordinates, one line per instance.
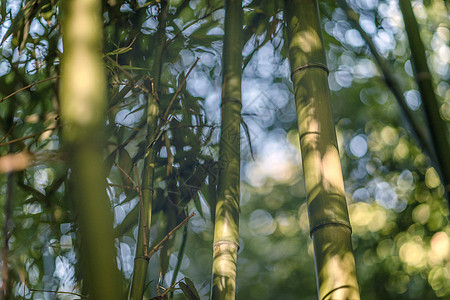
(332, 222)
(228, 243)
(310, 66)
(141, 257)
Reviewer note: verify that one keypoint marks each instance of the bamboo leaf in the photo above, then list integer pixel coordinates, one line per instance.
(247, 134)
(119, 51)
(187, 291)
(109, 161)
(192, 287)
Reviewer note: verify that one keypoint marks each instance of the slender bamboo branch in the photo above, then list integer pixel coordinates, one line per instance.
(391, 82)
(59, 292)
(128, 176)
(141, 259)
(28, 136)
(128, 74)
(122, 186)
(5, 291)
(166, 113)
(27, 87)
(437, 127)
(166, 118)
(9, 131)
(141, 201)
(171, 287)
(168, 235)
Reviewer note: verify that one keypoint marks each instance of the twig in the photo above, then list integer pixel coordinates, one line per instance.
(166, 113)
(159, 245)
(128, 74)
(9, 131)
(171, 287)
(128, 176)
(165, 118)
(27, 87)
(122, 186)
(58, 292)
(28, 136)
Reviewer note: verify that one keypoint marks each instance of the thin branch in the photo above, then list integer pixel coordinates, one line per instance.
(128, 74)
(171, 287)
(166, 118)
(166, 113)
(9, 131)
(128, 176)
(122, 186)
(28, 136)
(58, 292)
(27, 87)
(5, 288)
(159, 245)
(391, 82)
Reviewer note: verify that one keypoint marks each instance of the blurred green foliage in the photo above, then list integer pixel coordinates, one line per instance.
(401, 232)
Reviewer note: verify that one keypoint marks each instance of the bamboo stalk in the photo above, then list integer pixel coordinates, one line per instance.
(392, 83)
(437, 127)
(328, 216)
(226, 230)
(145, 219)
(83, 106)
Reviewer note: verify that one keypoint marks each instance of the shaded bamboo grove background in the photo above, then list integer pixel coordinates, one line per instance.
(112, 136)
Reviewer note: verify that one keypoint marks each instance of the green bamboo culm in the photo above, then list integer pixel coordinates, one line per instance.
(226, 230)
(83, 106)
(438, 128)
(138, 281)
(327, 208)
(392, 83)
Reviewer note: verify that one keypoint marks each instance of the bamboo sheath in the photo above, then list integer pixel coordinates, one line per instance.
(227, 209)
(327, 208)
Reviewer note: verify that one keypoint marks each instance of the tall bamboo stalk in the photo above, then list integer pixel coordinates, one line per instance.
(226, 231)
(328, 216)
(145, 214)
(392, 83)
(438, 128)
(83, 106)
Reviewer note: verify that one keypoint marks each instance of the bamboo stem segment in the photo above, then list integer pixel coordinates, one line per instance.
(226, 232)
(327, 208)
(145, 214)
(83, 106)
(438, 128)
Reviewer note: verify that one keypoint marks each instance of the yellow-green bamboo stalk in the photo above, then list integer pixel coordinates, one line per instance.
(437, 127)
(327, 208)
(226, 231)
(83, 106)
(145, 215)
